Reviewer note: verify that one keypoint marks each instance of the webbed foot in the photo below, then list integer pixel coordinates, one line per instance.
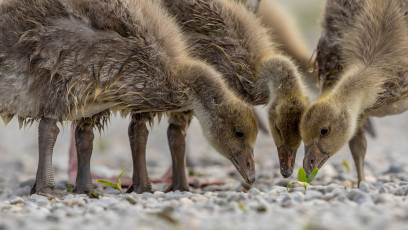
(139, 189)
(48, 192)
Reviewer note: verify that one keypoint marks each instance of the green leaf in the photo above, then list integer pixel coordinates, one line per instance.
(119, 183)
(289, 187)
(69, 187)
(312, 175)
(346, 165)
(302, 175)
(107, 183)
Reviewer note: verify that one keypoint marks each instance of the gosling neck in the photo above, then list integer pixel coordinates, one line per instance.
(359, 88)
(207, 90)
(282, 78)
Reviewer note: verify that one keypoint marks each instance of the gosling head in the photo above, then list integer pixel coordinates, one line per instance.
(325, 128)
(288, 101)
(232, 130)
(227, 122)
(284, 119)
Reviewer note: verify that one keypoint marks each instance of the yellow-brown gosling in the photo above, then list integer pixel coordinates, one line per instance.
(373, 82)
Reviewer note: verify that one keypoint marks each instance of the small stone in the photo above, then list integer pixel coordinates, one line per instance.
(286, 201)
(173, 196)
(394, 169)
(75, 211)
(254, 192)
(384, 198)
(383, 190)
(332, 187)
(361, 198)
(17, 200)
(312, 194)
(222, 194)
(319, 188)
(403, 183)
(174, 203)
(199, 199)
(232, 197)
(208, 194)
(364, 187)
(279, 189)
(96, 209)
(298, 196)
(341, 198)
(147, 195)
(378, 184)
(347, 184)
(271, 199)
(261, 208)
(39, 200)
(93, 194)
(187, 202)
(221, 202)
(130, 200)
(402, 191)
(242, 197)
(159, 193)
(52, 218)
(272, 193)
(384, 178)
(353, 193)
(42, 211)
(60, 213)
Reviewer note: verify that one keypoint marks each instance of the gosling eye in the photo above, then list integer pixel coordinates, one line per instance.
(324, 132)
(239, 135)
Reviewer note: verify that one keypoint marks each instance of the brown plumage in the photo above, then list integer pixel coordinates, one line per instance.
(232, 39)
(367, 77)
(76, 60)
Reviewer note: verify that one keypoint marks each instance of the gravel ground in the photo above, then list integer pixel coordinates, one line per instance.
(332, 202)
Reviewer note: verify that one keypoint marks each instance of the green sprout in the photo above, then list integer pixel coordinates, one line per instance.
(69, 187)
(118, 184)
(303, 180)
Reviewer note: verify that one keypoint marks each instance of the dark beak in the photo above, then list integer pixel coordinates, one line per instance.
(245, 164)
(314, 158)
(287, 158)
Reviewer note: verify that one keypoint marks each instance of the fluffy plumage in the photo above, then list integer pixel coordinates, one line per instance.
(77, 60)
(230, 38)
(372, 78)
